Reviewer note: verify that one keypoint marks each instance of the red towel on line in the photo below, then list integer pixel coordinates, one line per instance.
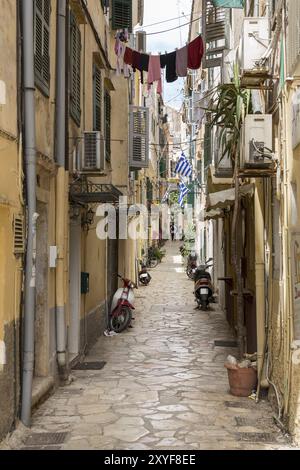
(128, 56)
(195, 53)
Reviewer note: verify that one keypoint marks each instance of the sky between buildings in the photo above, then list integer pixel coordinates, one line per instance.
(161, 10)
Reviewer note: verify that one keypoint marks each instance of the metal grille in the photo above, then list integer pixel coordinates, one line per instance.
(46, 438)
(225, 344)
(91, 146)
(89, 366)
(255, 437)
(19, 247)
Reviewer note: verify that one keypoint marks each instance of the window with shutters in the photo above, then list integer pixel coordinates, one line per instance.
(139, 138)
(19, 236)
(42, 12)
(121, 14)
(97, 98)
(75, 70)
(107, 110)
(215, 21)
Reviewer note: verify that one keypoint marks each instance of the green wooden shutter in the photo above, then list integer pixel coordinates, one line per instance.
(121, 14)
(42, 44)
(107, 106)
(97, 98)
(75, 71)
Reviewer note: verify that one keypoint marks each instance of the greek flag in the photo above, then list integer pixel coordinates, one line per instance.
(166, 196)
(183, 192)
(183, 166)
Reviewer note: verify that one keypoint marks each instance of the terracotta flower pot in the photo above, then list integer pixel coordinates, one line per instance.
(242, 381)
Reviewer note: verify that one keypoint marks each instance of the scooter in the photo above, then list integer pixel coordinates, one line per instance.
(122, 306)
(203, 286)
(144, 276)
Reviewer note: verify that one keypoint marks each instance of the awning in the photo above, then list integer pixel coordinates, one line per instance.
(88, 192)
(223, 199)
(214, 214)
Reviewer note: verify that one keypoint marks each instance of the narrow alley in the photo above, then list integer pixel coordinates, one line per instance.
(164, 385)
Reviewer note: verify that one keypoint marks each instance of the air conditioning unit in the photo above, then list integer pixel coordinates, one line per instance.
(93, 153)
(255, 42)
(223, 163)
(256, 142)
(141, 41)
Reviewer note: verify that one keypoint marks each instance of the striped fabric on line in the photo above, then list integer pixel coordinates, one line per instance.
(183, 166)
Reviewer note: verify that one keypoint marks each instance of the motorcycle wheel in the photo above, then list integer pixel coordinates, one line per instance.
(145, 281)
(190, 274)
(153, 263)
(120, 322)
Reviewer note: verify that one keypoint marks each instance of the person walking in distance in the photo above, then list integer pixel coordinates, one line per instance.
(172, 231)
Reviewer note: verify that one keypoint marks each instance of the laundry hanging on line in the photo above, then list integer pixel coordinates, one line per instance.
(176, 63)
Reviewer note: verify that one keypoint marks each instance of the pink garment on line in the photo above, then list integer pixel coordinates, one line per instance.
(154, 72)
(182, 61)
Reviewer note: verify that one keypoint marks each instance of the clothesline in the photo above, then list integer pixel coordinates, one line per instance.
(176, 63)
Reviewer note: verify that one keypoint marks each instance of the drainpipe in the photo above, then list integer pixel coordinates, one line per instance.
(260, 279)
(27, 10)
(60, 144)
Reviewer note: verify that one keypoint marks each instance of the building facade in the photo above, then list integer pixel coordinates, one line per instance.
(249, 197)
(82, 117)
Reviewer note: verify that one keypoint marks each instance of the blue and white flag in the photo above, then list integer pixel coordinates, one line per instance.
(166, 196)
(183, 166)
(183, 192)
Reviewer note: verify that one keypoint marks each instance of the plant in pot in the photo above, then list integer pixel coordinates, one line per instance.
(229, 106)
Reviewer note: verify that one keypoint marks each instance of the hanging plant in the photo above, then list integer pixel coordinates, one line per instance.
(229, 106)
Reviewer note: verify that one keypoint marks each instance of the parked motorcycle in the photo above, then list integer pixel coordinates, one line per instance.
(122, 306)
(203, 286)
(144, 276)
(191, 265)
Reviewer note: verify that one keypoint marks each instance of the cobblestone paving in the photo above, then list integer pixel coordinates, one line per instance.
(164, 385)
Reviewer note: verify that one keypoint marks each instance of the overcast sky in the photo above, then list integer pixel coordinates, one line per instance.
(161, 10)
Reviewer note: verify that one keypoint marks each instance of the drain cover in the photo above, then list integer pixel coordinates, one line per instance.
(239, 404)
(226, 344)
(256, 437)
(258, 422)
(89, 366)
(46, 438)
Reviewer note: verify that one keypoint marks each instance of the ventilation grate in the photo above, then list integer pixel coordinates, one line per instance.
(226, 344)
(46, 439)
(256, 437)
(89, 366)
(18, 227)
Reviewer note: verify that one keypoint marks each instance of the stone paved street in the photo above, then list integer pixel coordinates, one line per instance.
(164, 385)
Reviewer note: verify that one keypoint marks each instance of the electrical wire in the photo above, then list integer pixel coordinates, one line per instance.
(167, 21)
(173, 29)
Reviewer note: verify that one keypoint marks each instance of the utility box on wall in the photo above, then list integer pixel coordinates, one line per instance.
(85, 283)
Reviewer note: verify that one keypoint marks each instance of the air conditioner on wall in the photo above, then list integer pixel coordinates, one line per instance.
(256, 142)
(255, 42)
(93, 158)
